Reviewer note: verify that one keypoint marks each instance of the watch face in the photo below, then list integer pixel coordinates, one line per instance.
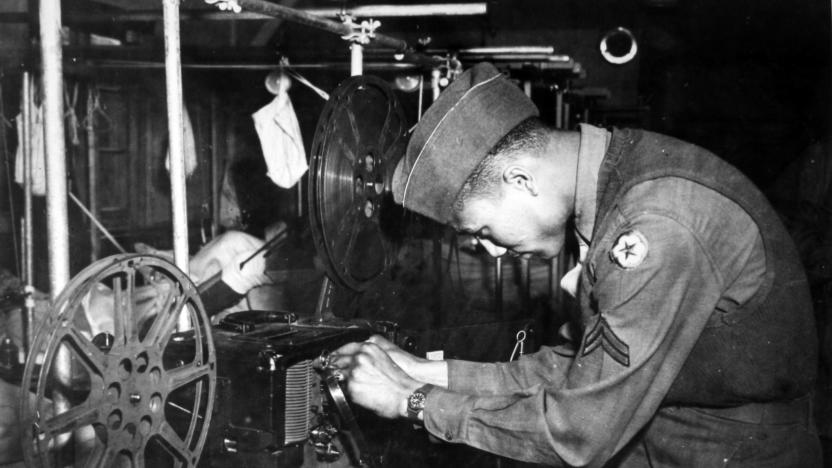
(416, 401)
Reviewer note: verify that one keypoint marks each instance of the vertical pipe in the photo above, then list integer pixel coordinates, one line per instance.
(173, 75)
(53, 122)
(215, 166)
(28, 259)
(92, 173)
(26, 122)
(356, 59)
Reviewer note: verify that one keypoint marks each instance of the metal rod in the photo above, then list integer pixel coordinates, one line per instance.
(26, 121)
(364, 11)
(92, 173)
(356, 59)
(501, 50)
(216, 173)
(97, 223)
(28, 258)
(57, 218)
(125, 64)
(405, 11)
(309, 19)
(175, 102)
(268, 247)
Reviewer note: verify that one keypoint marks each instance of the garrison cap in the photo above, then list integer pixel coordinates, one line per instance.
(464, 123)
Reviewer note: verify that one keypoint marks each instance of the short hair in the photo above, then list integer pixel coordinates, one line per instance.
(528, 137)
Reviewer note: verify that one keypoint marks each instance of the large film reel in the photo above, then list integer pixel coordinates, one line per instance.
(109, 382)
(361, 135)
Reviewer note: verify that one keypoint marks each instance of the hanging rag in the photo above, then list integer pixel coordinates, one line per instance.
(189, 142)
(279, 132)
(38, 153)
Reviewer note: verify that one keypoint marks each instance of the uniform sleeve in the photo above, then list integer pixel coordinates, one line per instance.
(646, 319)
(498, 378)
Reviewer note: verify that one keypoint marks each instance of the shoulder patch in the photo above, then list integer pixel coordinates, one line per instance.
(629, 250)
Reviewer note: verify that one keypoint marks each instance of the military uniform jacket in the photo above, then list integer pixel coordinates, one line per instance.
(674, 311)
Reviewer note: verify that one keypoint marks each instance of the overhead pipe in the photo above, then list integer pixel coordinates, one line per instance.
(405, 11)
(129, 64)
(315, 21)
(402, 50)
(173, 82)
(364, 11)
(57, 218)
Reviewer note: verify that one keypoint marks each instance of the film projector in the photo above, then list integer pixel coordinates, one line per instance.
(148, 381)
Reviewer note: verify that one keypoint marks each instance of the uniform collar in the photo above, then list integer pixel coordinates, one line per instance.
(593, 147)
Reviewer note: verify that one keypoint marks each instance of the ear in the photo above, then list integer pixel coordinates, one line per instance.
(520, 178)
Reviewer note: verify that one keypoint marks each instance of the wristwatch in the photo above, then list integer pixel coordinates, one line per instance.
(416, 402)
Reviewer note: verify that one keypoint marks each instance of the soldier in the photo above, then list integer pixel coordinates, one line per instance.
(697, 343)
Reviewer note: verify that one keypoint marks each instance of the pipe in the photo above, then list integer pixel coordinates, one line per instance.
(175, 102)
(57, 217)
(309, 19)
(364, 11)
(356, 59)
(26, 120)
(92, 174)
(501, 50)
(405, 11)
(125, 64)
(216, 174)
(28, 258)
(97, 223)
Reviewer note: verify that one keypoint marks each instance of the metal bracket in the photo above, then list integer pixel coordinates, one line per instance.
(362, 32)
(226, 5)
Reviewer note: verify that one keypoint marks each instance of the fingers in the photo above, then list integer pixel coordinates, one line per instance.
(382, 342)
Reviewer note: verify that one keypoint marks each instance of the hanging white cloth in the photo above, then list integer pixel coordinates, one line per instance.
(189, 143)
(36, 145)
(279, 132)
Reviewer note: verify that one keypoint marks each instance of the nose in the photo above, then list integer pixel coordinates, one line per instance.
(493, 250)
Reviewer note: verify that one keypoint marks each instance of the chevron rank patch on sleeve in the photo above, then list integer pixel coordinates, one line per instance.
(602, 336)
(629, 250)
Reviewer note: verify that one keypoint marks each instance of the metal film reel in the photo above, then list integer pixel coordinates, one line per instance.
(109, 381)
(360, 136)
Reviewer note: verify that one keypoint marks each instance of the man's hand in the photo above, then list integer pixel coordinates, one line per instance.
(421, 369)
(406, 361)
(374, 381)
(216, 255)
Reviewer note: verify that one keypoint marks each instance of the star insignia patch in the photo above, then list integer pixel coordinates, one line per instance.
(629, 250)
